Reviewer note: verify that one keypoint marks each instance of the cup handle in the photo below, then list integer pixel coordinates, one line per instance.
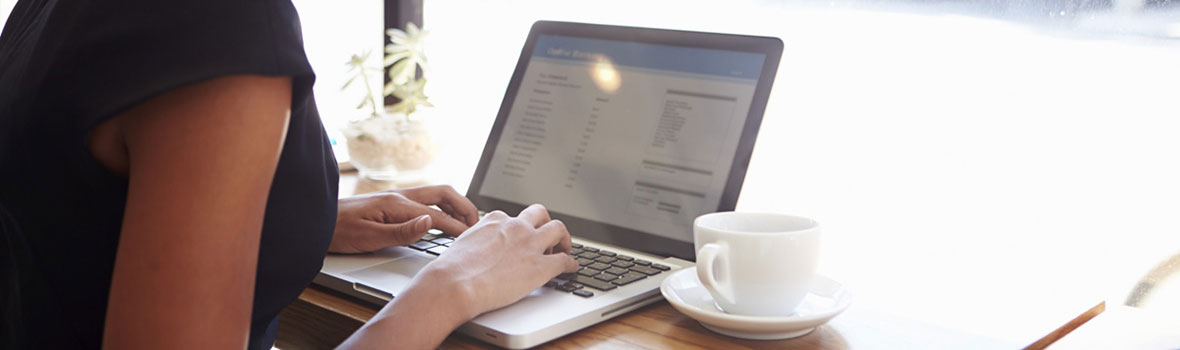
(705, 258)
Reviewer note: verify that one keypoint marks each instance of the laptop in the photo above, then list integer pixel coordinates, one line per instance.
(626, 135)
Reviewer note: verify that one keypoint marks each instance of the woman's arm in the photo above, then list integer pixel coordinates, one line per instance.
(200, 161)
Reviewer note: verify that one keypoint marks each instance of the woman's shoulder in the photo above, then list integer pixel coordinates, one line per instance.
(147, 47)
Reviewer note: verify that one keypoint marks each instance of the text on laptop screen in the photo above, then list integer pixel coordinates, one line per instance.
(635, 135)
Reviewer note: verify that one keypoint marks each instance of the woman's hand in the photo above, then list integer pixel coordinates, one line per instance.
(399, 217)
(501, 259)
(495, 263)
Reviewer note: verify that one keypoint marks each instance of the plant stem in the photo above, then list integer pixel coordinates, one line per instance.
(369, 89)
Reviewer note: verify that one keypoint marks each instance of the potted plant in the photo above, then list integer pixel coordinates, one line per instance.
(390, 143)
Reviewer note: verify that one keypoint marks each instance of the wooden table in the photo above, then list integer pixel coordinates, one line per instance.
(322, 318)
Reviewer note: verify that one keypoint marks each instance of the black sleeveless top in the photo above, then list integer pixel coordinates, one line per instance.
(68, 65)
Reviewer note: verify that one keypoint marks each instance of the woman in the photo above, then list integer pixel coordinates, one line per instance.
(166, 182)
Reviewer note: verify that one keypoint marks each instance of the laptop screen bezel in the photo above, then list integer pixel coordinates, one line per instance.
(618, 235)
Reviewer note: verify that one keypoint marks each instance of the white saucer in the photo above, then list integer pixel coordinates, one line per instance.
(826, 299)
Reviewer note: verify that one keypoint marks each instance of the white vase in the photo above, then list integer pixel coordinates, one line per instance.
(390, 148)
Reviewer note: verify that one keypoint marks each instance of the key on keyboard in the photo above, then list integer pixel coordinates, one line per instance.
(437, 250)
(422, 245)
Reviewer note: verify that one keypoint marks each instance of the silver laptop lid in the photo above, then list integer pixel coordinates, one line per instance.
(627, 134)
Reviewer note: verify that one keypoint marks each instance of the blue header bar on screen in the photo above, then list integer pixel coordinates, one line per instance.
(731, 64)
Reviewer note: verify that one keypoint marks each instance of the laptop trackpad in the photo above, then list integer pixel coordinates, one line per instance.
(391, 277)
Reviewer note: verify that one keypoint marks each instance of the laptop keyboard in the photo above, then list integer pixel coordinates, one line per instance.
(434, 242)
(599, 269)
(603, 270)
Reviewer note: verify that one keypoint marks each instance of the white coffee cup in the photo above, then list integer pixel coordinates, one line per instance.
(757, 264)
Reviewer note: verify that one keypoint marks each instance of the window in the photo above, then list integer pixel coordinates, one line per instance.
(6, 9)
(958, 153)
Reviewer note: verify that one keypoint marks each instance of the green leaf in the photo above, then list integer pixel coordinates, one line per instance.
(411, 29)
(402, 71)
(349, 82)
(394, 57)
(396, 34)
(399, 107)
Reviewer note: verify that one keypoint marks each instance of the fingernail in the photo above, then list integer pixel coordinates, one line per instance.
(424, 223)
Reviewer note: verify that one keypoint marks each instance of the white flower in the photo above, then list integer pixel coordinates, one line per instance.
(411, 95)
(405, 58)
(405, 53)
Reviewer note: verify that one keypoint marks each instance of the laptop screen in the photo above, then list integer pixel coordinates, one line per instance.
(633, 134)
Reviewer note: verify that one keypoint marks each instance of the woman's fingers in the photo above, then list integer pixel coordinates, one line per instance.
(463, 207)
(446, 198)
(535, 215)
(556, 264)
(553, 234)
(441, 220)
(445, 222)
(456, 204)
(451, 210)
(401, 234)
(375, 235)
